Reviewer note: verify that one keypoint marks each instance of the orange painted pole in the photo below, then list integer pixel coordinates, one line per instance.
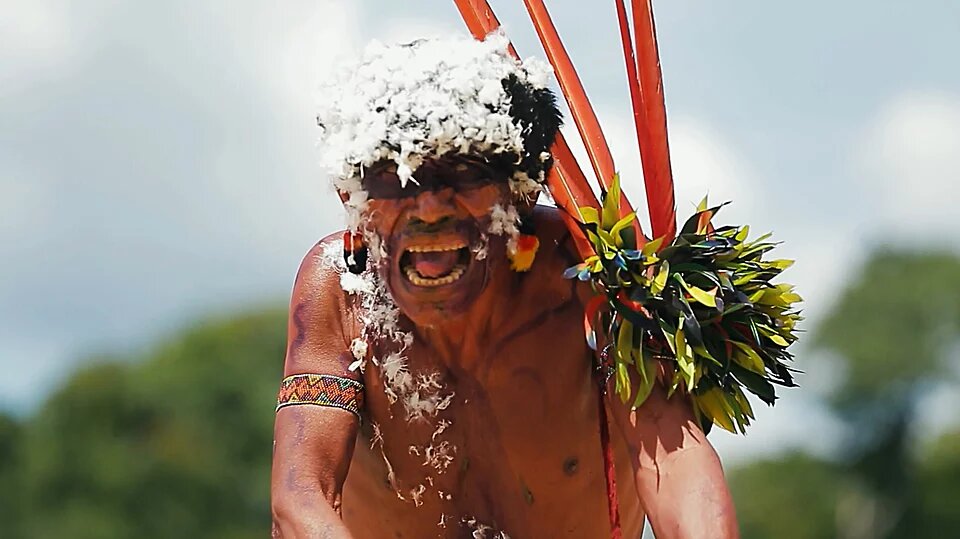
(583, 113)
(580, 107)
(654, 147)
(633, 81)
(567, 184)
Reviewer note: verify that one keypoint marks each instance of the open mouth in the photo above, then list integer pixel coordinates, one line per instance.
(433, 265)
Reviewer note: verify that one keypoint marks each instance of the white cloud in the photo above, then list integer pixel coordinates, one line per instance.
(797, 421)
(34, 27)
(220, 218)
(825, 256)
(908, 163)
(24, 204)
(297, 47)
(32, 368)
(938, 411)
(36, 37)
(405, 30)
(703, 164)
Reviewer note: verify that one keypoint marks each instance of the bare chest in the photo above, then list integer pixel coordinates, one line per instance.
(511, 446)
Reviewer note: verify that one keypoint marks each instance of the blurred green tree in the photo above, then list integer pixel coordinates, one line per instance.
(177, 442)
(892, 330)
(175, 445)
(934, 510)
(793, 497)
(11, 484)
(891, 333)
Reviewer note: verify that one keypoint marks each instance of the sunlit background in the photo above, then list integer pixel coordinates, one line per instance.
(159, 185)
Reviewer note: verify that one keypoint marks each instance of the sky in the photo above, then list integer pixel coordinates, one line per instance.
(158, 160)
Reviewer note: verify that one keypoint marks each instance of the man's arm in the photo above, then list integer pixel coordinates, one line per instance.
(313, 445)
(677, 472)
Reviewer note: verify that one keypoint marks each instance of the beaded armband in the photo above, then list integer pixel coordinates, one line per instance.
(321, 390)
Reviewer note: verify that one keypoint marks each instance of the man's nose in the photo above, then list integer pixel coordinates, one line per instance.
(432, 207)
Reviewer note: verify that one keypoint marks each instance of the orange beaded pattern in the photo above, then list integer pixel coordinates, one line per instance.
(321, 390)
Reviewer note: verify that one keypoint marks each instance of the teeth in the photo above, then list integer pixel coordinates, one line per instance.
(414, 277)
(436, 248)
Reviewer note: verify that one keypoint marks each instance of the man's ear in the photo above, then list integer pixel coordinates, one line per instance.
(526, 202)
(525, 206)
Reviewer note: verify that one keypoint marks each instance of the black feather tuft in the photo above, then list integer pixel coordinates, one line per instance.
(535, 111)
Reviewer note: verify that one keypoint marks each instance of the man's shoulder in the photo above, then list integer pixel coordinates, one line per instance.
(323, 289)
(556, 244)
(322, 266)
(556, 253)
(328, 249)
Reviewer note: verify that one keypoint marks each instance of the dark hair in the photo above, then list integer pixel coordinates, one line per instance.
(535, 111)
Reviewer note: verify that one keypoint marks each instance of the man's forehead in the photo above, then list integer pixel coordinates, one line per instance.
(447, 165)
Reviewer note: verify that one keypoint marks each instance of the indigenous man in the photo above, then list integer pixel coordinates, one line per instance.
(445, 364)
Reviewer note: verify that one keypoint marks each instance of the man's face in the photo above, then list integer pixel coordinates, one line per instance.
(429, 227)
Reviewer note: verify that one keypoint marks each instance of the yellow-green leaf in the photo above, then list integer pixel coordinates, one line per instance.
(594, 239)
(685, 360)
(590, 215)
(707, 298)
(623, 382)
(748, 357)
(606, 237)
(791, 298)
(742, 234)
(660, 281)
(759, 240)
(622, 224)
(711, 403)
(702, 206)
(646, 366)
(743, 401)
(698, 371)
(681, 341)
(773, 297)
(611, 205)
(652, 246)
(625, 342)
(674, 384)
(777, 339)
(745, 278)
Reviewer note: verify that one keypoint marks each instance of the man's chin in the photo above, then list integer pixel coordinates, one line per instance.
(435, 306)
(430, 317)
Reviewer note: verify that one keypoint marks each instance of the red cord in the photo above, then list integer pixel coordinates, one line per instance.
(613, 505)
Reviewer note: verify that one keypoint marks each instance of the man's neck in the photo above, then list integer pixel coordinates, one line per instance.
(464, 342)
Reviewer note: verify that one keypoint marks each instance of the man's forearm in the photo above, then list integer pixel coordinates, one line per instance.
(685, 494)
(677, 473)
(306, 516)
(311, 459)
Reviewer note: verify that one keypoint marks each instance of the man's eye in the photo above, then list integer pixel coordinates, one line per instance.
(475, 181)
(383, 187)
(472, 178)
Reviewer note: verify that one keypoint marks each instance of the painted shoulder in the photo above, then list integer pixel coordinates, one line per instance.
(556, 244)
(557, 252)
(325, 265)
(323, 281)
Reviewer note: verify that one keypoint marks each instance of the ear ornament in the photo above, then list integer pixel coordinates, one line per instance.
(354, 252)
